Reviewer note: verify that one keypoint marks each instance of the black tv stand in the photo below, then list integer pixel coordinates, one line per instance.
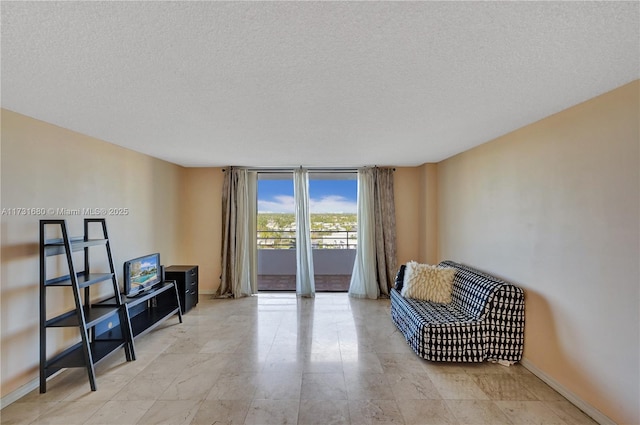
(139, 294)
(150, 308)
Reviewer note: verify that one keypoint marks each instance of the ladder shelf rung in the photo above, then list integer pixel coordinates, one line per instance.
(74, 355)
(93, 316)
(83, 278)
(56, 246)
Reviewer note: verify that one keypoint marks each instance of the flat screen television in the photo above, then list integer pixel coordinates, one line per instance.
(141, 274)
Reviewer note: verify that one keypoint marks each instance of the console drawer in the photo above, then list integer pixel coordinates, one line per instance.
(187, 279)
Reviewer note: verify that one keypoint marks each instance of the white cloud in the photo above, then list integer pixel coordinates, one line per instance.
(327, 204)
(332, 204)
(279, 204)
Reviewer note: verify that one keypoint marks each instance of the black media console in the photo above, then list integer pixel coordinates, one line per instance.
(150, 308)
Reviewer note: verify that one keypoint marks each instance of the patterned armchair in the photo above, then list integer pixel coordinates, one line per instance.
(484, 321)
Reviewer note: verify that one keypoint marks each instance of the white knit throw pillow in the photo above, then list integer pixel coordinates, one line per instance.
(430, 283)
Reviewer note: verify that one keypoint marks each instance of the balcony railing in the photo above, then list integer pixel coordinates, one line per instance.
(320, 239)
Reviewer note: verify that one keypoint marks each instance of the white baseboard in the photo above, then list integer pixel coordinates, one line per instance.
(595, 414)
(19, 393)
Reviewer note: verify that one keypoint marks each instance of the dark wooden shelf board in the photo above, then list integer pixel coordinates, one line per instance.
(133, 301)
(56, 246)
(74, 356)
(150, 318)
(93, 316)
(84, 279)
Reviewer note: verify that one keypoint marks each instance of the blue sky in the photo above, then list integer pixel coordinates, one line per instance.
(325, 196)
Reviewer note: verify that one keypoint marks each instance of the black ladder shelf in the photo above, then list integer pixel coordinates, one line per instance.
(99, 337)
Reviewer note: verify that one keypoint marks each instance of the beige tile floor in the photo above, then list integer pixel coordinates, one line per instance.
(276, 359)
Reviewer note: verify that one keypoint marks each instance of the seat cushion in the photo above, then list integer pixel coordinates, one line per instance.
(438, 332)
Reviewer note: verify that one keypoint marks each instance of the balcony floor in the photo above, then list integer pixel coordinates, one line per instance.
(323, 283)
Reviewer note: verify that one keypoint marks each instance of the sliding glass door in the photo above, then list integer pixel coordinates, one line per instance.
(333, 230)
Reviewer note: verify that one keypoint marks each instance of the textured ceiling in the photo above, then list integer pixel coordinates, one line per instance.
(309, 83)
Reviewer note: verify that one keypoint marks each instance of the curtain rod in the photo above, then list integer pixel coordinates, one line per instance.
(310, 169)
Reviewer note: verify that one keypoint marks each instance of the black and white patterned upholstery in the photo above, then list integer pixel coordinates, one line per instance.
(485, 320)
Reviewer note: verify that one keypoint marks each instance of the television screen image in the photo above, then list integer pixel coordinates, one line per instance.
(141, 273)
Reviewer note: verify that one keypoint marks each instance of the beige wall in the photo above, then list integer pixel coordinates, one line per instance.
(415, 191)
(428, 228)
(202, 194)
(554, 207)
(406, 189)
(44, 166)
